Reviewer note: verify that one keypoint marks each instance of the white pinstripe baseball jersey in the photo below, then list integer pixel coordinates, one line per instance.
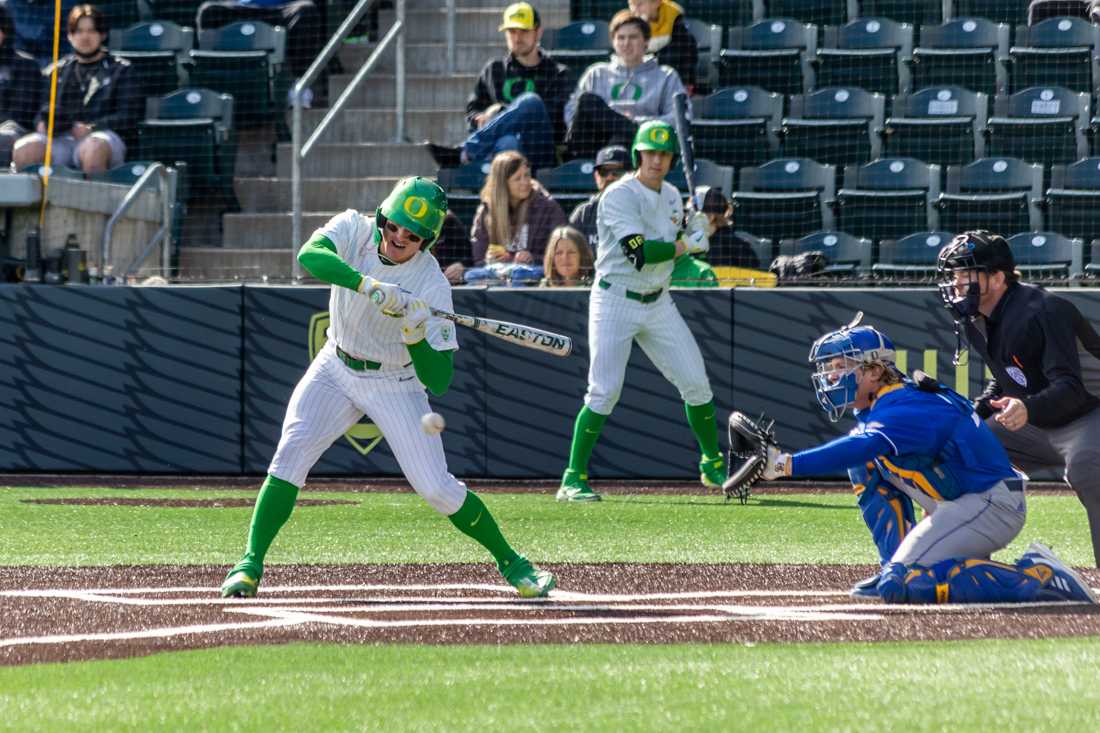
(357, 325)
(629, 207)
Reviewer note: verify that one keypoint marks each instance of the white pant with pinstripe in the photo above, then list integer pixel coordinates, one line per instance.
(972, 526)
(331, 397)
(615, 322)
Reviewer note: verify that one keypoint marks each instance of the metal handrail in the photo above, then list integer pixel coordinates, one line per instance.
(166, 180)
(300, 150)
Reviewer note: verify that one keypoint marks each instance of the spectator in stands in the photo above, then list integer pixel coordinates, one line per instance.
(34, 27)
(20, 88)
(613, 98)
(568, 260)
(669, 38)
(516, 214)
(305, 33)
(611, 163)
(452, 249)
(726, 248)
(98, 102)
(518, 101)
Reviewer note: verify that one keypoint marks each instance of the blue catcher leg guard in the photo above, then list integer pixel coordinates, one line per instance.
(887, 512)
(960, 580)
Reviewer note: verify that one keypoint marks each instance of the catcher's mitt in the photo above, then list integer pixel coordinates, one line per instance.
(749, 443)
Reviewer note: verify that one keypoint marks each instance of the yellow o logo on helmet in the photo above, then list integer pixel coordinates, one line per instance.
(658, 135)
(416, 207)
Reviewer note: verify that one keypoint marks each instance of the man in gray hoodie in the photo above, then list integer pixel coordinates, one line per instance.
(612, 99)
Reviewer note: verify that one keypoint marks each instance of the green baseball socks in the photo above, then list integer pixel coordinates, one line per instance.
(275, 503)
(589, 425)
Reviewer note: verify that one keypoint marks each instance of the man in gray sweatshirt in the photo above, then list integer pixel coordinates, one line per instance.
(613, 98)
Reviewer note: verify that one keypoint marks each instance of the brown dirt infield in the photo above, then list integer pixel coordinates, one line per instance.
(69, 614)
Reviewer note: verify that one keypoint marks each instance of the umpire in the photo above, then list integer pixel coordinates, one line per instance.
(1045, 361)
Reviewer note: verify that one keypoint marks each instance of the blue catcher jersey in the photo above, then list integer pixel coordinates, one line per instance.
(941, 448)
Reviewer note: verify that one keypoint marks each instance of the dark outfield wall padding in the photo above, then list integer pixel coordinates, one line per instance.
(532, 398)
(280, 326)
(120, 379)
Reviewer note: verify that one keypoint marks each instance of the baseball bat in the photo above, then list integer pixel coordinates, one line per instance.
(528, 337)
(687, 145)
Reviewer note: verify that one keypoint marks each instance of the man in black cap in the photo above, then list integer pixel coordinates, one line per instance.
(611, 163)
(1045, 361)
(726, 248)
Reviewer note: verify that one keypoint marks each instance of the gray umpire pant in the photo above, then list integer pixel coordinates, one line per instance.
(1074, 447)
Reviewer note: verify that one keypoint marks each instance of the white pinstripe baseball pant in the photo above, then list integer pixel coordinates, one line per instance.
(331, 397)
(615, 322)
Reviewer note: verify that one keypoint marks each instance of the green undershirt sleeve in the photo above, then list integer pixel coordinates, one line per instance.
(433, 368)
(319, 257)
(658, 251)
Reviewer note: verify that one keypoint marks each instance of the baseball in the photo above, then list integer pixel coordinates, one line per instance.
(432, 423)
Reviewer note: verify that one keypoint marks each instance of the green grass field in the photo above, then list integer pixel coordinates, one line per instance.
(957, 686)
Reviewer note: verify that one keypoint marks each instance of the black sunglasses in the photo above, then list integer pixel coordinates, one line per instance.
(393, 229)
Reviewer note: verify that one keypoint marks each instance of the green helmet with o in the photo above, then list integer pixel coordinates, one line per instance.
(654, 135)
(417, 204)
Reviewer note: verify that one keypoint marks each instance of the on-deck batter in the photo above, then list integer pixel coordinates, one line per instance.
(379, 357)
(639, 224)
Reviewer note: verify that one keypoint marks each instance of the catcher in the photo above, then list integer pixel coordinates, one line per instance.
(923, 440)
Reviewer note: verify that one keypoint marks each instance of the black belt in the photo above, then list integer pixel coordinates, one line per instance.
(640, 297)
(359, 365)
(1014, 484)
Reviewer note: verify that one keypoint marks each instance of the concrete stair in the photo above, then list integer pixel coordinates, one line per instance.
(357, 160)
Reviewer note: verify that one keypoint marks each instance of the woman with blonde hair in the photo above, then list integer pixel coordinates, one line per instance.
(568, 259)
(516, 214)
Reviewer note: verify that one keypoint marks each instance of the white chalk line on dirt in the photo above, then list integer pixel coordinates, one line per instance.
(146, 633)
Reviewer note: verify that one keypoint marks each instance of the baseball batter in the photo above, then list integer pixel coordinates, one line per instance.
(639, 223)
(925, 440)
(384, 347)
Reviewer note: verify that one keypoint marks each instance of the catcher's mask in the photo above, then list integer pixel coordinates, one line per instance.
(837, 355)
(973, 252)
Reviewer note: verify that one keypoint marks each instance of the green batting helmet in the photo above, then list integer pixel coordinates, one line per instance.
(654, 135)
(417, 204)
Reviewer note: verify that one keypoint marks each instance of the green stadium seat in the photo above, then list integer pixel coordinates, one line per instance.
(578, 45)
(1047, 255)
(601, 9)
(708, 41)
(157, 50)
(1092, 269)
(817, 12)
(1040, 125)
(916, 13)
(773, 53)
(888, 198)
(836, 126)
(707, 173)
(244, 60)
(765, 249)
(737, 126)
(180, 12)
(463, 186)
(786, 198)
(1073, 200)
(571, 183)
(1010, 12)
(1056, 52)
(847, 256)
(54, 171)
(940, 125)
(120, 13)
(870, 53)
(194, 126)
(999, 194)
(911, 258)
(965, 52)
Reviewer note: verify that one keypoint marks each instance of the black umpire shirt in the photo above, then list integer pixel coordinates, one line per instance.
(502, 80)
(1040, 350)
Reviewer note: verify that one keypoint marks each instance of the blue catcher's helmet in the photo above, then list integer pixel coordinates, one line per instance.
(835, 382)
